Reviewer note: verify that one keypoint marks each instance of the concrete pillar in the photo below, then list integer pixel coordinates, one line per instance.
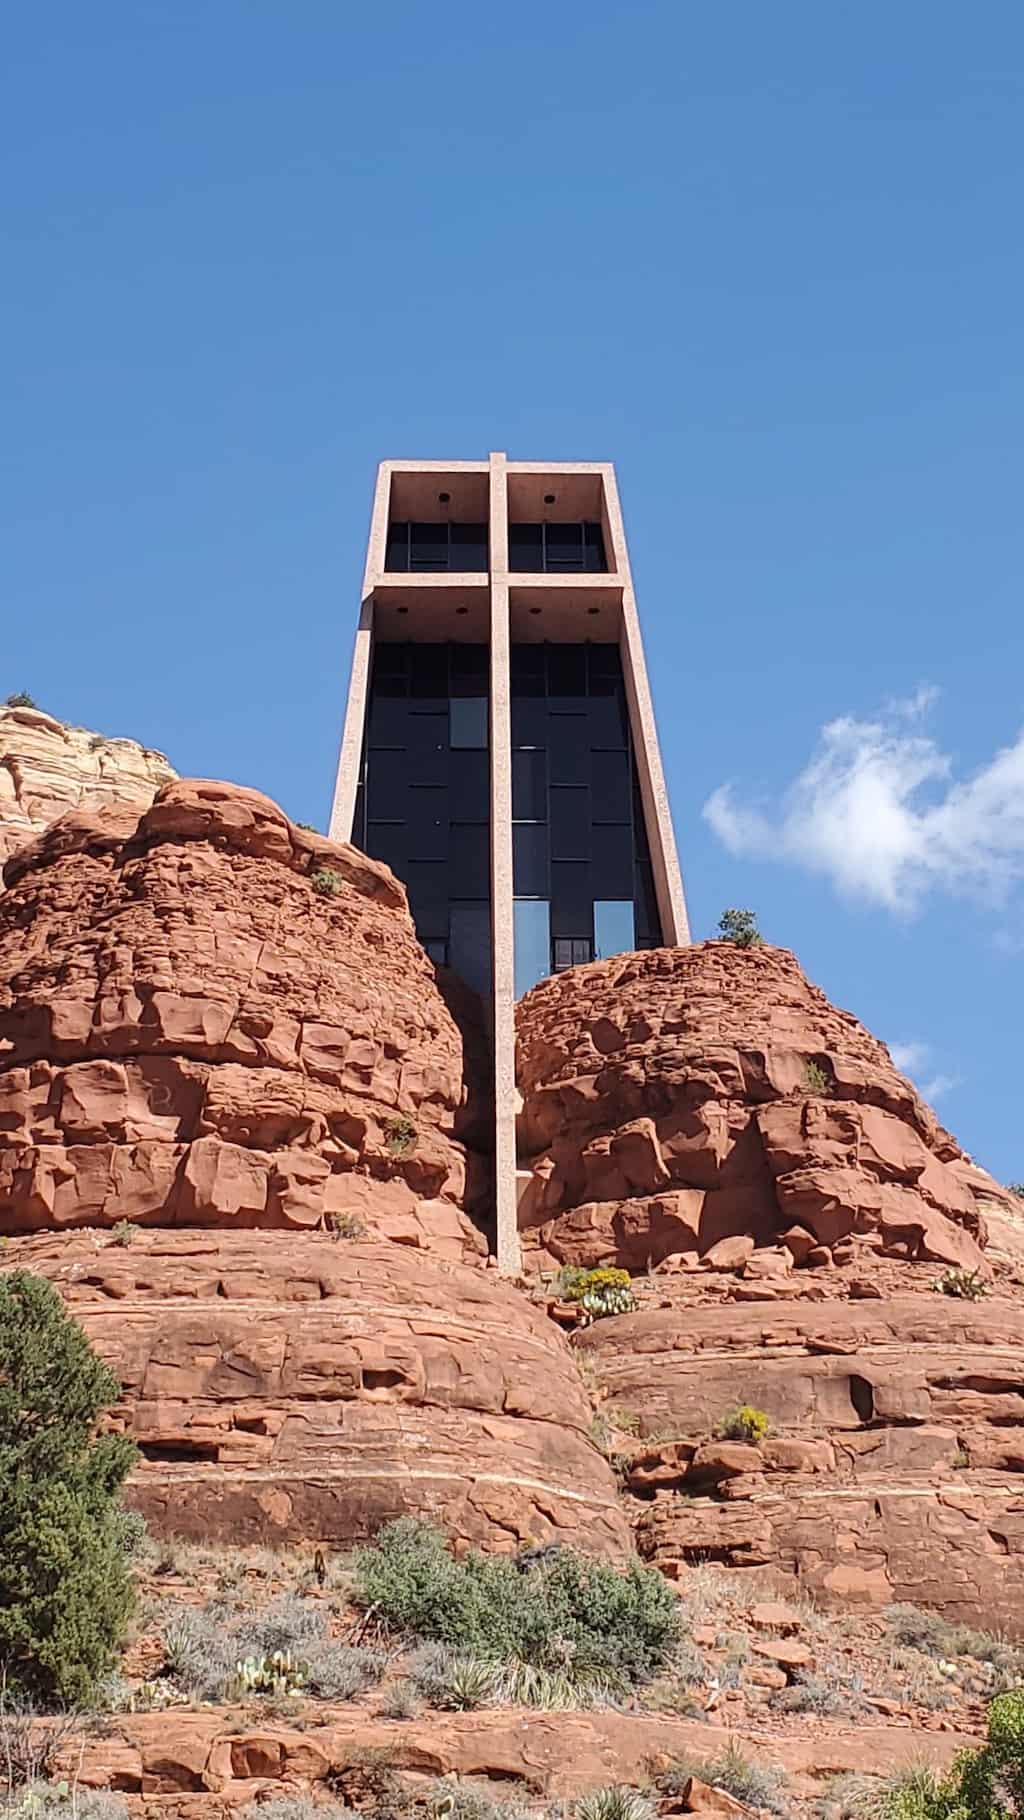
(502, 922)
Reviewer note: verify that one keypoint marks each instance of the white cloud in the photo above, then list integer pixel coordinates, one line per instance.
(939, 1085)
(878, 811)
(914, 1059)
(908, 1057)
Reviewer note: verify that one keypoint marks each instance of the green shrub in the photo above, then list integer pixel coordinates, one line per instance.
(985, 1784)
(346, 1226)
(62, 1801)
(450, 1799)
(454, 1680)
(298, 1807)
(123, 1232)
(815, 1078)
(614, 1804)
(758, 1785)
(1016, 1188)
(550, 1608)
(968, 1285)
(65, 1581)
(599, 1292)
(20, 699)
(277, 1651)
(327, 882)
(744, 1423)
(740, 928)
(400, 1138)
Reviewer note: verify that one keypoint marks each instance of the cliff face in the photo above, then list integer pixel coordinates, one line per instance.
(219, 1035)
(685, 1096)
(812, 1238)
(47, 768)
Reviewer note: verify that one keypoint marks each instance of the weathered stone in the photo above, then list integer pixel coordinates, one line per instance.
(48, 768)
(194, 1034)
(286, 1387)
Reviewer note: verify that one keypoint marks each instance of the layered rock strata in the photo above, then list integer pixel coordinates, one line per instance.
(47, 768)
(676, 1098)
(211, 1017)
(293, 1386)
(892, 1471)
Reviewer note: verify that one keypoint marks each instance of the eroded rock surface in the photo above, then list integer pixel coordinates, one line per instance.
(293, 1386)
(211, 1017)
(680, 1097)
(47, 768)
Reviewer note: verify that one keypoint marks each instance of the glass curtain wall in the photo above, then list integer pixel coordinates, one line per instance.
(424, 801)
(582, 874)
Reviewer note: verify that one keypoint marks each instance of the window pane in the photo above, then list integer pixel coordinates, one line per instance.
(388, 841)
(563, 547)
(397, 556)
(572, 901)
(569, 749)
(648, 921)
(469, 666)
(428, 673)
(611, 850)
(529, 786)
(593, 548)
(570, 824)
(567, 671)
(428, 896)
(470, 859)
(529, 859)
(469, 945)
(438, 952)
(469, 721)
(469, 548)
(607, 716)
(428, 822)
(387, 784)
(529, 722)
(428, 548)
(527, 667)
(469, 786)
(525, 547)
(389, 718)
(614, 931)
(610, 786)
(389, 660)
(532, 925)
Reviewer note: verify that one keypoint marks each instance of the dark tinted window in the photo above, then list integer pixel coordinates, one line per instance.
(570, 824)
(556, 548)
(529, 786)
(526, 547)
(612, 853)
(469, 715)
(430, 547)
(470, 861)
(469, 945)
(569, 749)
(428, 822)
(610, 790)
(530, 859)
(469, 786)
(572, 899)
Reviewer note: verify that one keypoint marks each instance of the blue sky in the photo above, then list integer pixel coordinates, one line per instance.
(768, 260)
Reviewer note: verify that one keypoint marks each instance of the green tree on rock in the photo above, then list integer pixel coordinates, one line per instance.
(740, 928)
(65, 1583)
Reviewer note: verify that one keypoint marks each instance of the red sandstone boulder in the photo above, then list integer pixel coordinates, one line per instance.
(290, 1386)
(696, 1098)
(210, 1017)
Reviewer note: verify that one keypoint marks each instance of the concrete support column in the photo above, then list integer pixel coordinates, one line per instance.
(668, 883)
(502, 919)
(351, 757)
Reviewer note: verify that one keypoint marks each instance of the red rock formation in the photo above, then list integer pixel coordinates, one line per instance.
(210, 1017)
(47, 768)
(893, 1468)
(678, 1097)
(293, 1386)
